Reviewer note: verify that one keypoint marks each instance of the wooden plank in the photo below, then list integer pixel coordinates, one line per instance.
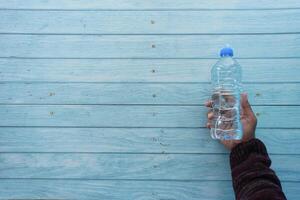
(149, 22)
(134, 140)
(132, 166)
(117, 190)
(277, 139)
(122, 190)
(290, 190)
(141, 70)
(133, 116)
(142, 5)
(114, 166)
(150, 46)
(125, 190)
(91, 93)
(101, 116)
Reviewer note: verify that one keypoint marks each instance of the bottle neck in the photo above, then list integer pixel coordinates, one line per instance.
(226, 61)
(226, 57)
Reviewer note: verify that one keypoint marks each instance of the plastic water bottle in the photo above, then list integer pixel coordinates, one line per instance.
(226, 77)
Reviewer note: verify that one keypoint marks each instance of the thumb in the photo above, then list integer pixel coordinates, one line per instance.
(246, 107)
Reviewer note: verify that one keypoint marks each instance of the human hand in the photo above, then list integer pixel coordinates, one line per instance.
(248, 121)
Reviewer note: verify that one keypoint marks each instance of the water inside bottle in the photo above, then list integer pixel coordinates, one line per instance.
(225, 124)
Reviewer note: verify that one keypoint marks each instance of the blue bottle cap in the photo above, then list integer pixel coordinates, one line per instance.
(226, 51)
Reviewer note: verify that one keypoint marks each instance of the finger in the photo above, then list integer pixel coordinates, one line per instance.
(208, 104)
(208, 125)
(246, 107)
(210, 115)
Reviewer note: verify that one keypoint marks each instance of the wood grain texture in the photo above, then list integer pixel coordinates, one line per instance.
(141, 70)
(150, 46)
(125, 190)
(92, 53)
(121, 93)
(119, 190)
(134, 140)
(149, 22)
(114, 166)
(153, 4)
(133, 116)
(132, 166)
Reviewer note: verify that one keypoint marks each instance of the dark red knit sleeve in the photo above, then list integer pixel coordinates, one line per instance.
(252, 177)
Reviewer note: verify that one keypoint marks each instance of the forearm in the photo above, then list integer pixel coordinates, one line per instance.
(251, 174)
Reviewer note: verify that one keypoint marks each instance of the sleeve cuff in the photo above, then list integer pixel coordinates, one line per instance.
(243, 150)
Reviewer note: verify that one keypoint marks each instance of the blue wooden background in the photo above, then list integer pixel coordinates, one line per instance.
(103, 99)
